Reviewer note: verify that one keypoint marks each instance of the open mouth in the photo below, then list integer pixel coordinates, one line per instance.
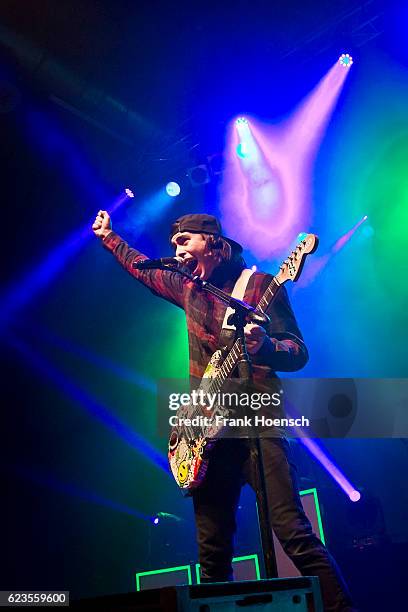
(191, 263)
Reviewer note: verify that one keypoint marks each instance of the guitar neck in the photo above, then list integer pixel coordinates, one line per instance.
(289, 270)
(269, 295)
(234, 354)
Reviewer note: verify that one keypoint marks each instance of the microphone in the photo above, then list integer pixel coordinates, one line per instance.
(153, 264)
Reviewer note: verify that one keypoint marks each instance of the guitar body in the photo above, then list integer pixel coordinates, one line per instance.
(190, 446)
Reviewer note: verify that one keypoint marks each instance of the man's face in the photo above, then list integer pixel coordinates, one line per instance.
(192, 249)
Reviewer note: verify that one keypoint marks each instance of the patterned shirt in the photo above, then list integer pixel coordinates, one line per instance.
(283, 349)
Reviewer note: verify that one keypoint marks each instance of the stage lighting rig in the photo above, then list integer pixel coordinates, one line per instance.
(345, 60)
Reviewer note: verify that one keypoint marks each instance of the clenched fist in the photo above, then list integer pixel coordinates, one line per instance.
(102, 224)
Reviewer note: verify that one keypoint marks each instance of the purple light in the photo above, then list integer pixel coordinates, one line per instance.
(129, 193)
(96, 409)
(346, 237)
(318, 263)
(242, 149)
(265, 200)
(41, 275)
(331, 468)
(156, 520)
(319, 454)
(355, 496)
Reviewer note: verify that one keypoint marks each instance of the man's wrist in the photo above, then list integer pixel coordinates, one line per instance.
(105, 234)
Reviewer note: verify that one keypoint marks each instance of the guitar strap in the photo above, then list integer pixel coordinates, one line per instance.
(238, 293)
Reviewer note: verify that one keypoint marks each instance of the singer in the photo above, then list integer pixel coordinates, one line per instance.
(278, 346)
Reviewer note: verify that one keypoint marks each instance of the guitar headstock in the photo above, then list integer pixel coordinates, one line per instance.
(291, 268)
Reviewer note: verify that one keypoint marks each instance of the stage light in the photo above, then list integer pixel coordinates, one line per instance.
(100, 412)
(243, 150)
(263, 199)
(355, 496)
(167, 516)
(246, 141)
(321, 455)
(243, 128)
(173, 189)
(301, 236)
(129, 193)
(345, 60)
(38, 277)
(339, 244)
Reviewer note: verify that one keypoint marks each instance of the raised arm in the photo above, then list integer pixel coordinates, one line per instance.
(164, 283)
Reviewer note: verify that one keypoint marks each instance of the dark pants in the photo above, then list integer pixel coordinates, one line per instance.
(215, 504)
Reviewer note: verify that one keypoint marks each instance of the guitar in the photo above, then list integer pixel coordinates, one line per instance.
(190, 443)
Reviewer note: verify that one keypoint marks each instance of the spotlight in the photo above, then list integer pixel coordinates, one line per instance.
(129, 193)
(345, 60)
(243, 150)
(355, 495)
(199, 175)
(166, 516)
(246, 143)
(173, 189)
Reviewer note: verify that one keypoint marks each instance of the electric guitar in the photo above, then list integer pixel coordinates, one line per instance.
(191, 442)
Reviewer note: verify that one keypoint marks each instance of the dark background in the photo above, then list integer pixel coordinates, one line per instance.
(96, 96)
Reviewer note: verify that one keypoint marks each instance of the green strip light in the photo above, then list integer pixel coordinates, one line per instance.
(319, 516)
(253, 557)
(162, 571)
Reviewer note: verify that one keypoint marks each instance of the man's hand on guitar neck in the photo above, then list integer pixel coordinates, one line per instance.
(255, 337)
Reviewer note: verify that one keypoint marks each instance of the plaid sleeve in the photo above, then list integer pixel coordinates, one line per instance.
(284, 349)
(166, 284)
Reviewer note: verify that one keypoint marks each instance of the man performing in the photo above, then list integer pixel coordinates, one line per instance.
(199, 243)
